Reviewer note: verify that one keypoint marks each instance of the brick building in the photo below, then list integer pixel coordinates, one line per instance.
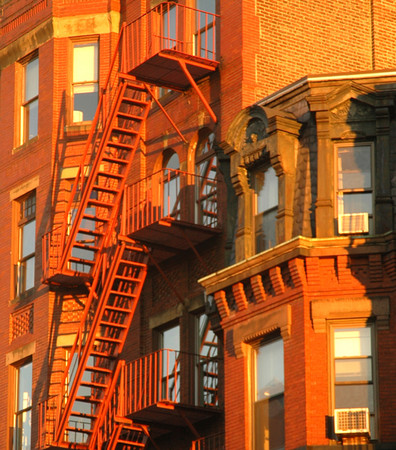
(197, 224)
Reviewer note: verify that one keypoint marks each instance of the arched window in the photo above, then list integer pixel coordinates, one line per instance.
(171, 184)
(206, 186)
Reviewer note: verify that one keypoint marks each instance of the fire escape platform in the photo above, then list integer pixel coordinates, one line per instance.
(168, 236)
(162, 416)
(164, 69)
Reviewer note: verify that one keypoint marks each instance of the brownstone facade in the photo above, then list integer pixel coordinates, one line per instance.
(262, 193)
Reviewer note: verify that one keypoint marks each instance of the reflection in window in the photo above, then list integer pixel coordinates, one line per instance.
(206, 196)
(353, 370)
(171, 187)
(208, 371)
(29, 111)
(355, 187)
(170, 343)
(265, 185)
(85, 81)
(269, 418)
(169, 26)
(204, 37)
(23, 409)
(24, 268)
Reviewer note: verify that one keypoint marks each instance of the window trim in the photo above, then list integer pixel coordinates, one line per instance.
(337, 146)
(354, 323)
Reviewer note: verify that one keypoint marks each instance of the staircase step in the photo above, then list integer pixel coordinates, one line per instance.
(93, 384)
(85, 246)
(105, 189)
(88, 399)
(79, 430)
(135, 101)
(119, 145)
(123, 294)
(117, 309)
(113, 324)
(115, 160)
(134, 443)
(100, 203)
(81, 261)
(90, 232)
(127, 116)
(118, 176)
(109, 339)
(98, 369)
(125, 131)
(95, 218)
(103, 354)
(83, 415)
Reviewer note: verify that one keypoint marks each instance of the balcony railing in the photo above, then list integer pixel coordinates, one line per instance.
(168, 376)
(212, 442)
(170, 27)
(170, 194)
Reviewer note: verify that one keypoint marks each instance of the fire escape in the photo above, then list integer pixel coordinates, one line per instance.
(95, 250)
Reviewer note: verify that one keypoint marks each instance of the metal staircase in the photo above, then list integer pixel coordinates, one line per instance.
(113, 269)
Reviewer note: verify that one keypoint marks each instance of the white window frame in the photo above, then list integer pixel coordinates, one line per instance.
(340, 192)
(355, 324)
(93, 82)
(28, 103)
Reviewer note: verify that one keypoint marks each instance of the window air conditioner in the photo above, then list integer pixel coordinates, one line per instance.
(352, 421)
(353, 223)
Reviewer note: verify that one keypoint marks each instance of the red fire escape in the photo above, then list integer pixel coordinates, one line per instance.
(93, 248)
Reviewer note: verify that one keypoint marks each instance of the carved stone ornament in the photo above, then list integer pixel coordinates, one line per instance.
(352, 111)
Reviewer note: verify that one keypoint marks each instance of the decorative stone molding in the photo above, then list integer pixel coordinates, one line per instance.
(350, 308)
(259, 325)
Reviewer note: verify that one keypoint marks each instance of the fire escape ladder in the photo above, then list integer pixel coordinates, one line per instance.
(94, 220)
(131, 436)
(103, 330)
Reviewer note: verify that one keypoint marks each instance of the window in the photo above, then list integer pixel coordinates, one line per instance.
(204, 37)
(206, 170)
(354, 371)
(170, 343)
(85, 81)
(23, 407)
(268, 411)
(265, 186)
(208, 371)
(25, 267)
(355, 189)
(171, 186)
(29, 109)
(169, 26)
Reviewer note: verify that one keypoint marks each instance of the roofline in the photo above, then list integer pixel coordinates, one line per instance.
(312, 78)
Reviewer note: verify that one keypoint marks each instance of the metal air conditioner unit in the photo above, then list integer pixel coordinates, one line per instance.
(352, 421)
(353, 223)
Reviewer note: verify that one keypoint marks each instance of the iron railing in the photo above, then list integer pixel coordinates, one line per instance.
(170, 26)
(170, 194)
(212, 442)
(171, 376)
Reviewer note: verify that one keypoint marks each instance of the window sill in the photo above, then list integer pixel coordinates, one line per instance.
(78, 129)
(23, 297)
(24, 145)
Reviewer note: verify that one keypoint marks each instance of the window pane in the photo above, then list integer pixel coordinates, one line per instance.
(353, 370)
(29, 273)
(352, 342)
(269, 370)
(85, 62)
(25, 386)
(171, 338)
(354, 167)
(266, 188)
(355, 396)
(31, 79)
(85, 102)
(349, 203)
(266, 230)
(28, 239)
(32, 118)
(270, 424)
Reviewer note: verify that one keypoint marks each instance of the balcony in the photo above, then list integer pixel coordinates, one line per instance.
(168, 388)
(160, 42)
(171, 211)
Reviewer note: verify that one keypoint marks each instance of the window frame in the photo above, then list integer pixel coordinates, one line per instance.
(22, 220)
(351, 324)
(267, 340)
(26, 103)
(83, 41)
(339, 192)
(16, 412)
